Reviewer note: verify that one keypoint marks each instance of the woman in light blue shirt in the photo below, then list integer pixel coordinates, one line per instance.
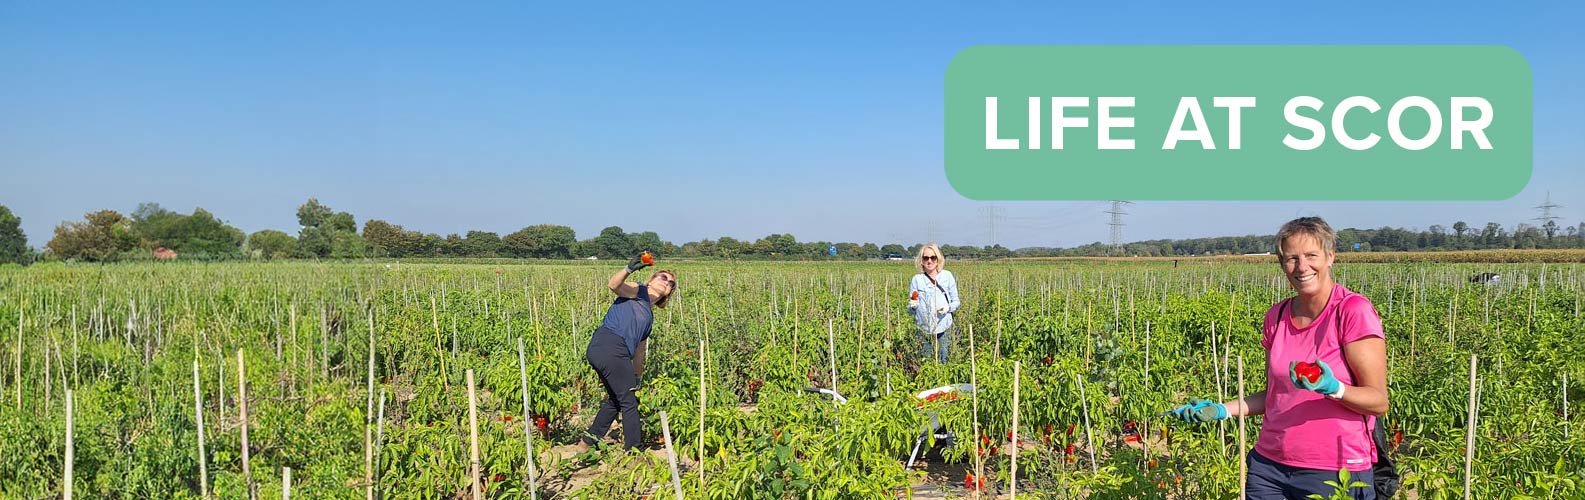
(933, 297)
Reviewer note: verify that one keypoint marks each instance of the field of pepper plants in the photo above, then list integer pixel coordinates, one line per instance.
(355, 377)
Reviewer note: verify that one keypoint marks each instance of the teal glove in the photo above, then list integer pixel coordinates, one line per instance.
(1200, 410)
(1326, 384)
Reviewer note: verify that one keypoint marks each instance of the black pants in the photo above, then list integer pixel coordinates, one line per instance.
(608, 355)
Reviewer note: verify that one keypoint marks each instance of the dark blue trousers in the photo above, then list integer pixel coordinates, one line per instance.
(1270, 480)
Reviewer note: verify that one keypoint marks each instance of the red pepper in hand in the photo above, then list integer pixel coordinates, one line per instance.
(1310, 371)
(647, 258)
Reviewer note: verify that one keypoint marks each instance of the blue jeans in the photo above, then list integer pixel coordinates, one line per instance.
(940, 344)
(1269, 480)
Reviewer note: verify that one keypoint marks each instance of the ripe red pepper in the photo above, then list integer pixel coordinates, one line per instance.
(1070, 449)
(647, 258)
(915, 296)
(970, 482)
(1071, 427)
(1310, 371)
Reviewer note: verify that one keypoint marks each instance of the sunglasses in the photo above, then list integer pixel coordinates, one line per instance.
(670, 283)
(931, 257)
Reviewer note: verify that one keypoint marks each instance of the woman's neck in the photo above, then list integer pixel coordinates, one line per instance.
(1311, 305)
(932, 273)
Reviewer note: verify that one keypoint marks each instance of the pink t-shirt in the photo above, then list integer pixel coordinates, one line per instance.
(1302, 427)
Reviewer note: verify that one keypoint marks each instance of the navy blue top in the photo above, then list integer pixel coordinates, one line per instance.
(630, 319)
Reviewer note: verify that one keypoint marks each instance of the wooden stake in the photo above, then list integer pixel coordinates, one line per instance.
(473, 440)
(1089, 434)
(974, 399)
(671, 456)
(368, 421)
(831, 340)
(286, 483)
(70, 445)
(1013, 483)
(242, 408)
(528, 435)
(198, 413)
(1469, 438)
(1243, 467)
(704, 344)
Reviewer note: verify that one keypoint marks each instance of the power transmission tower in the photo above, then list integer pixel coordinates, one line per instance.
(992, 214)
(1117, 224)
(1546, 212)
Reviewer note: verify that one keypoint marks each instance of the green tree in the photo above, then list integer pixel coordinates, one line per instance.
(326, 233)
(547, 241)
(13, 243)
(482, 244)
(383, 238)
(104, 236)
(612, 243)
(271, 244)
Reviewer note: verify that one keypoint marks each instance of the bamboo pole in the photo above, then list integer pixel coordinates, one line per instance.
(1565, 406)
(71, 444)
(198, 413)
(379, 439)
(974, 399)
(1243, 466)
(704, 344)
(368, 420)
(671, 456)
(1013, 483)
(1089, 434)
(242, 408)
(286, 483)
(17, 380)
(528, 435)
(1469, 435)
(473, 439)
(831, 341)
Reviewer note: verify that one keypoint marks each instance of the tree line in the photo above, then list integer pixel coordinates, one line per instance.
(107, 235)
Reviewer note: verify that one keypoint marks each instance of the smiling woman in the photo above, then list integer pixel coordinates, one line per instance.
(1326, 378)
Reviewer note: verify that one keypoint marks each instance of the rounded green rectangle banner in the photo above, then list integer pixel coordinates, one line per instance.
(1374, 122)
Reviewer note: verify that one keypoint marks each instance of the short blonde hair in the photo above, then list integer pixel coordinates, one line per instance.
(1314, 227)
(919, 258)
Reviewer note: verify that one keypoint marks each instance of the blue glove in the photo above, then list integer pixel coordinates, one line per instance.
(1200, 410)
(1326, 385)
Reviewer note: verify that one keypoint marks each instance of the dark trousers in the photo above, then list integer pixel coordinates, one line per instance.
(608, 355)
(1269, 480)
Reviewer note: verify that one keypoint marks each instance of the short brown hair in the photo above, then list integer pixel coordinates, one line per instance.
(1314, 227)
(669, 292)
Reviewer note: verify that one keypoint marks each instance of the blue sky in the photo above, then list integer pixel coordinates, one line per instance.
(695, 121)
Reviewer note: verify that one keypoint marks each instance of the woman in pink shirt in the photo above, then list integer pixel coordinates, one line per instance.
(1313, 428)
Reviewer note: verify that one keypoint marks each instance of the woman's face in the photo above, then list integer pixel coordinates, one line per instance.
(1307, 266)
(932, 260)
(662, 283)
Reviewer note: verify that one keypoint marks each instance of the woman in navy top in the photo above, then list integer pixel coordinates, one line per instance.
(616, 351)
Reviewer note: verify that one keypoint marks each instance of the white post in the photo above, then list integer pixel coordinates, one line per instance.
(1089, 434)
(671, 456)
(198, 413)
(1013, 483)
(242, 408)
(473, 439)
(286, 483)
(528, 435)
(70, 444)
(1469, 438)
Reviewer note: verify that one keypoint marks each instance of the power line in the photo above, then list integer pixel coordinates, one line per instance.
(1546, 209)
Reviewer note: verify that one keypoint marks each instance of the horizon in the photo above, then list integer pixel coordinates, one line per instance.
(691, 122)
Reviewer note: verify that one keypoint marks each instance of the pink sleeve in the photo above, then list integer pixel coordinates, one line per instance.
(1360, 320)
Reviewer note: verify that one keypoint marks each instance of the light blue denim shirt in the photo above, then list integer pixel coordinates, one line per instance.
(930, 297)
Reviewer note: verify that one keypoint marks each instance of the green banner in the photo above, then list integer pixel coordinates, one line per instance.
(1379, 122)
